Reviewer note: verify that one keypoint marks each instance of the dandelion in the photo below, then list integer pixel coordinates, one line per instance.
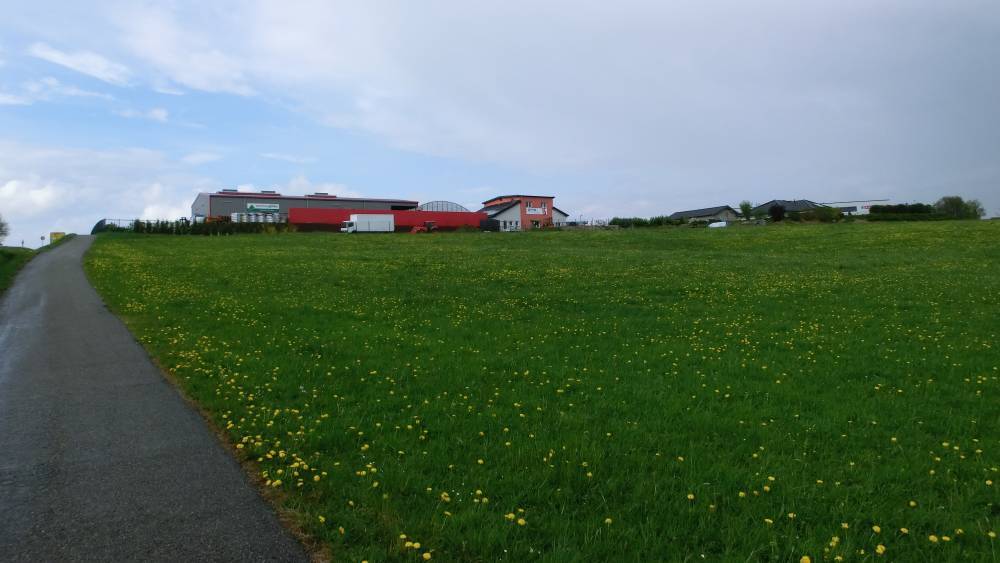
(877, 529)
(690, 496)
(426, 556)
(521, 521)
(768, 521)
(805, 559)
(322, 519)
(932, 538)
(880, 549)
(904, 531)
(608, 521)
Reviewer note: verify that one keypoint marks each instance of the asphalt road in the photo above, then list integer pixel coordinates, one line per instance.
(100, 457)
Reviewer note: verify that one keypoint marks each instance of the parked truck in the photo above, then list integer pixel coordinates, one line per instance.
(369, 223)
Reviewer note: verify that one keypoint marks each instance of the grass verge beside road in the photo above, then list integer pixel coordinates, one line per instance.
(661, 394)
(12, 259)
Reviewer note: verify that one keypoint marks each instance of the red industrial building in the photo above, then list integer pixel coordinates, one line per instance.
(332, 219)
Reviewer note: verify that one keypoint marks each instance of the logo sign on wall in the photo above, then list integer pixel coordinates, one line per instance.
(535, 210)
(263, 207)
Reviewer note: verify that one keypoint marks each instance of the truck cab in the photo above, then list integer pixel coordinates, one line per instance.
(348, 227)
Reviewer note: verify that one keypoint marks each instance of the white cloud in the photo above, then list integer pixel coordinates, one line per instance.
(300, 185)
(57, 188)
(189, 55)
(13, 100)
(158, 114)
(48, 88)
(200, 158)
(155, 114)
(289, 157)
(84, 62)
(29, 196)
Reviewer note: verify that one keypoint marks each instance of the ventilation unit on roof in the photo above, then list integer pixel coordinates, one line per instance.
(269, 192)
(322, 193)
(228, 190)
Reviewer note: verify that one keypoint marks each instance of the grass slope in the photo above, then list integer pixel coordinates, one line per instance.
(12, 259)
(738, 394)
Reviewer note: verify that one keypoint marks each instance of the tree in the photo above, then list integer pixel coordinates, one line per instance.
(974, 209)
(4, 229)
(777, 212)
(746, 208)
(957, 208)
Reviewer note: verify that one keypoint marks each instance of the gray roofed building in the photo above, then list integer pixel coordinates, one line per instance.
(719, 213)
(790, 205)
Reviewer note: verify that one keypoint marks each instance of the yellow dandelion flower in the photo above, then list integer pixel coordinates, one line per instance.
(690, 496)
(877, 529)
(805, 559)
(880, 549)
(521, 521)
(426, 556)
(932, 538)
(608, 521)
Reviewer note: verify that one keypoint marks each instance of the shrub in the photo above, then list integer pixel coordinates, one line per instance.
(776, 212)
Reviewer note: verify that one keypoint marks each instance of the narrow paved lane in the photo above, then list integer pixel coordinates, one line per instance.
(100, 458)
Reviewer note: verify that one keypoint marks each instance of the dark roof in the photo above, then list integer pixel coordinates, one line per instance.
(518, 195)
(790, 205)
(708, 211)
(492, 210)
(262, 195)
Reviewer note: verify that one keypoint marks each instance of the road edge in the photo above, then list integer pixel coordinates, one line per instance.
(291, 520)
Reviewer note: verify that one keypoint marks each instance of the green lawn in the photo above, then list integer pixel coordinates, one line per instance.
(11, 261)
(747, 394)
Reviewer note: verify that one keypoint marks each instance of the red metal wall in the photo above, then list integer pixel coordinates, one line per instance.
(405, 220)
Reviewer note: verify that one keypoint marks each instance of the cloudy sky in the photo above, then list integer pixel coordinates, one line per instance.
(126, 109)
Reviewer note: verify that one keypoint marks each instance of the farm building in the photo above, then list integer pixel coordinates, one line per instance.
(790, 205)
(860, 207)
(403, 220)
(227, 202)
(710, 214)
(522, 212)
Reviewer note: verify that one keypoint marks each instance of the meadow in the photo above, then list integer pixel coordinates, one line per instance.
(753, 394)
(12, 259)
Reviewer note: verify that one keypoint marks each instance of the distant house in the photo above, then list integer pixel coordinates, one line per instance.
(522, 212)
(710, 214)
(790, 205)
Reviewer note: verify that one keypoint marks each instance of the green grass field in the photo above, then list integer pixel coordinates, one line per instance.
(744, 394)
(12, 259)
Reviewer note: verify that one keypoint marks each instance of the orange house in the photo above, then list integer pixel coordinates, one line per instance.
(522, 212)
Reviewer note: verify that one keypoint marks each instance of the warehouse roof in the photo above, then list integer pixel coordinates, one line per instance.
(790, 205)
(707, 212)
(275, 195)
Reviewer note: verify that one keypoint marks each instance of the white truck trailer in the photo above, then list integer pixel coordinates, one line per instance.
(369, 223)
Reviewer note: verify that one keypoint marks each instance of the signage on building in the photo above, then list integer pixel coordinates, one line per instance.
(535, 210)
(262, 207)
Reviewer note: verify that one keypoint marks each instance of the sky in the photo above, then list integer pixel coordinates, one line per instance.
(627, 108)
